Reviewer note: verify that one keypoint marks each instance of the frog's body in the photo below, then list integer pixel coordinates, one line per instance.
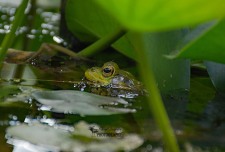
(110, 76)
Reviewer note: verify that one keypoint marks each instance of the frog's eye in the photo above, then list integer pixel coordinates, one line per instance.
(108, 71)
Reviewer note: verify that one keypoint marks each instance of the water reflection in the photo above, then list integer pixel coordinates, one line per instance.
(49, 27)
(24, 146)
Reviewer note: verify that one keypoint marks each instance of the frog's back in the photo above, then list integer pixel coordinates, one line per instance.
(125, 80)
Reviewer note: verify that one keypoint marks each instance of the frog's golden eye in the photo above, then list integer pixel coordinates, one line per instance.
(108, 71)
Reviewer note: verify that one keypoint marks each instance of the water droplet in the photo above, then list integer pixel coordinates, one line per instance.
(16, 80)
(2, 31)
(114, 103)
(118, 130)
(52, 33)
(149, 147)
(6, 27)
(4, 17)
(44, 31)
(11, 18)
(30, 100)
(14, 117)
(30, 36)
(12, 11)
(57, 39)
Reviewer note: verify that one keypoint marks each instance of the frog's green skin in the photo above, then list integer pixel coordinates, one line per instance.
(111, 75)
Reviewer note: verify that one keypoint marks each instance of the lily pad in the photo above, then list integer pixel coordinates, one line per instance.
(89, 22)
(56, 139)
(78, 102)
(24, 94)
(155, 15)
(205, 42)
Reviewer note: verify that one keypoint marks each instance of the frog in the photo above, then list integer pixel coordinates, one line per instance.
(112, 77)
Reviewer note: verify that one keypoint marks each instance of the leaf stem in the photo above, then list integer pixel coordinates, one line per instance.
(8, 40)
(154, 99)
(102, 43)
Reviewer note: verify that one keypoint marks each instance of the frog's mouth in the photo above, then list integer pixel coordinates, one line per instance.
(94, 75)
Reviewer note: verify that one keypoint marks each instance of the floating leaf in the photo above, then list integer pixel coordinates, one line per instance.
(56, 139)
(155, 15)
(78, 102)
(23, 95)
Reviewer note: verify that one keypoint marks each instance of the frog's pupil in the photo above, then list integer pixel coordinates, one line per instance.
(107, 70)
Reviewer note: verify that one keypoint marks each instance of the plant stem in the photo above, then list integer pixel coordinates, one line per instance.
(8, 40)
(154, 99)
(51, 47)
(102, 43)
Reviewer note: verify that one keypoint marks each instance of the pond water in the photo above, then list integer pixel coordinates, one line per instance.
(44, 106)
(196, 130)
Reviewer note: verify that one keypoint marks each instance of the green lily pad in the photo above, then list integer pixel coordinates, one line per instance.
(57, 139)
(155, 15)
(78, 102)
(89, 22)
(206, 42)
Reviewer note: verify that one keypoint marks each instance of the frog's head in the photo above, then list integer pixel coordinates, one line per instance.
(102, 75)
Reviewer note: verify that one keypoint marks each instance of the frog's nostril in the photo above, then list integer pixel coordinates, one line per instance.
(93, 69)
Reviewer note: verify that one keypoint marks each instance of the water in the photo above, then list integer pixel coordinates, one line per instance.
(197, 119)
(194, 131)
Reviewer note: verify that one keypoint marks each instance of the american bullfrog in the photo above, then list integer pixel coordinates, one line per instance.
(111, 76)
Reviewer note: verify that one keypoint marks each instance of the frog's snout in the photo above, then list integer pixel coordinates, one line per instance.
(90, 73)
(87, 73)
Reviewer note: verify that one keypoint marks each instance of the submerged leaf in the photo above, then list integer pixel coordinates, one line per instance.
(14, 105)
(217, 74)
(201, 93)
(56, 139)
(170, 74)
(7, 90)
(78, 102)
